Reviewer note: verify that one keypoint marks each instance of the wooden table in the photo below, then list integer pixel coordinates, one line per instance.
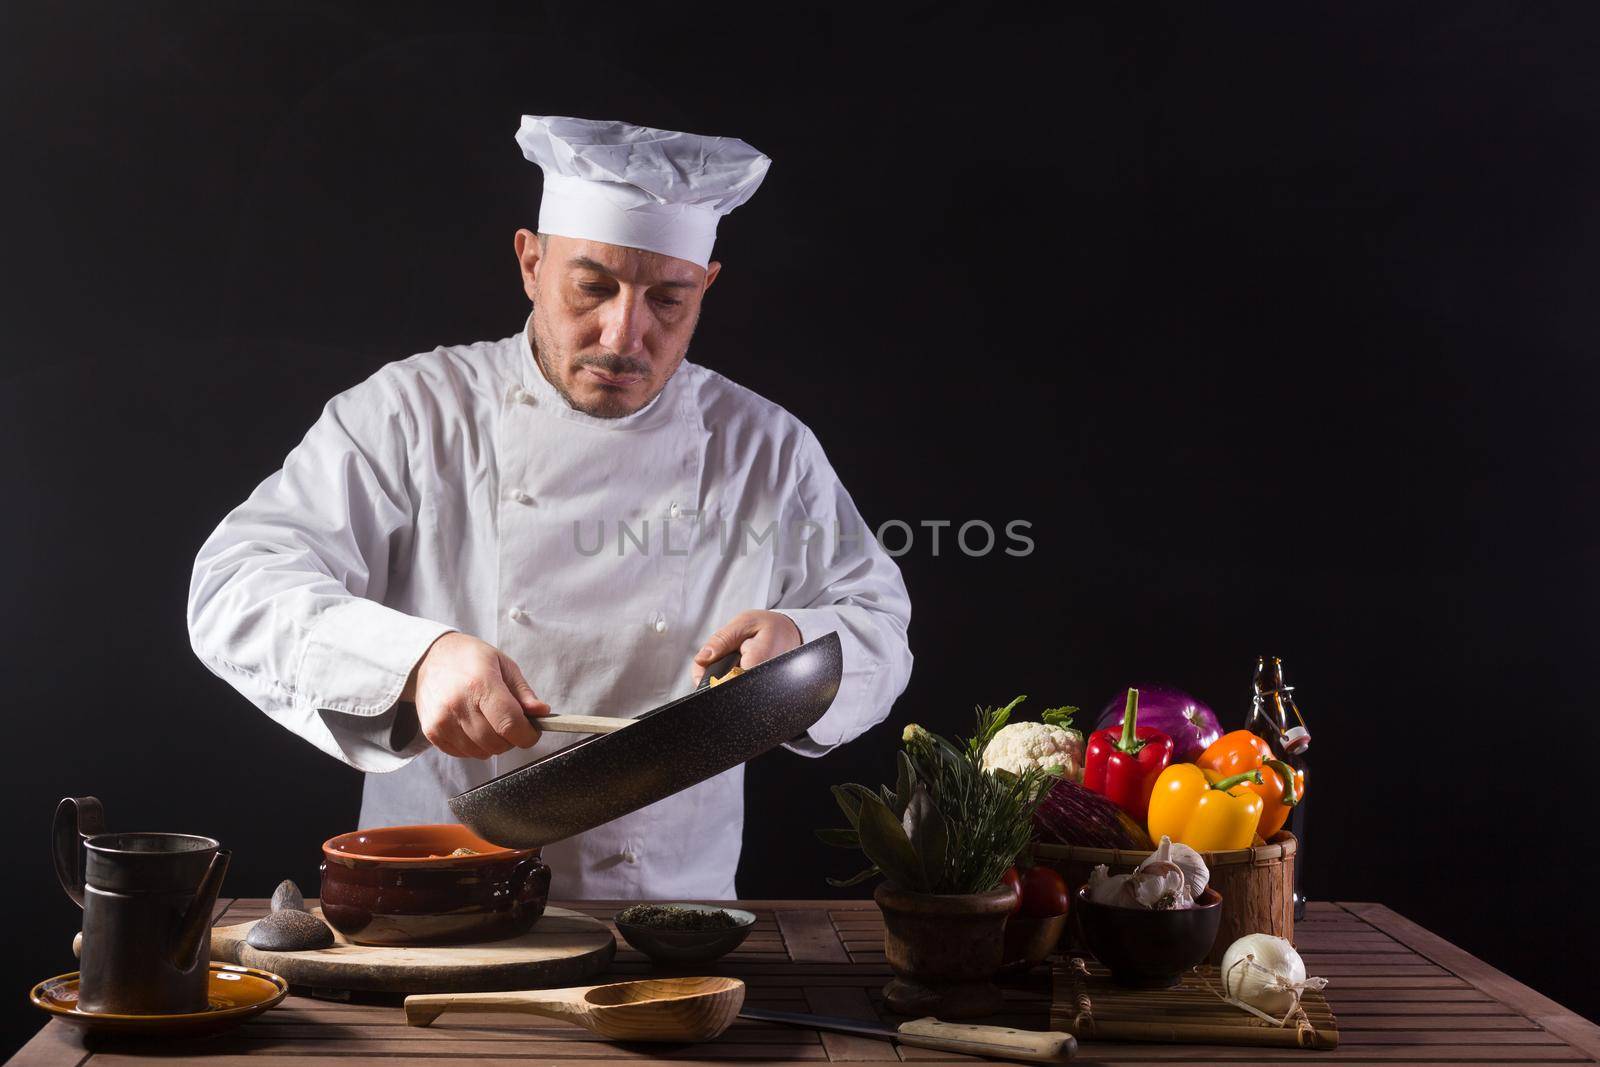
(1402, 994)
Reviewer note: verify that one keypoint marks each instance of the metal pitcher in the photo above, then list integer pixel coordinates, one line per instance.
(147, 902)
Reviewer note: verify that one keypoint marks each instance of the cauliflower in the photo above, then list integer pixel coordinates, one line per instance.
(1035, 744)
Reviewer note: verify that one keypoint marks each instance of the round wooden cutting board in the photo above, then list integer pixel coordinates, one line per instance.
(564, 948)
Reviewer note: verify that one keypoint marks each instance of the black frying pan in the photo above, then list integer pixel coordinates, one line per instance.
(669, 749)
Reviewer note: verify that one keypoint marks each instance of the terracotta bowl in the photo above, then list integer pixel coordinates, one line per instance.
(399, 885)
(1149, 949)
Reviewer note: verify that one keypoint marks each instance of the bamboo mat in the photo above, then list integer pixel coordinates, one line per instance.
(1089, 1005)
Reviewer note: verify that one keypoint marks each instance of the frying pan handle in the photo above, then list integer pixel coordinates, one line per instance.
(719, 668)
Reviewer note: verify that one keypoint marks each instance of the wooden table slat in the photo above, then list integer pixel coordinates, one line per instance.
(1401, 995)
(810, 936)
(1564, 1023)
(55, 1045)
(1463, 992)
(853, 1004)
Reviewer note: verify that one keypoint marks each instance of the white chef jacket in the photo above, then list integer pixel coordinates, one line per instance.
(457, 490)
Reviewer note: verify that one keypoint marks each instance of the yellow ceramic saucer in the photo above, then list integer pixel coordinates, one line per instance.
(235, 994)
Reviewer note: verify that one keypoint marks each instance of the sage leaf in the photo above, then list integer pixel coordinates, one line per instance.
(854, 879)
(840, 838)
(884, 841)
(904, 781)
(929, 836)
(850, 797)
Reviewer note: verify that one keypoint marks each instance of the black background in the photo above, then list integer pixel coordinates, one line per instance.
(1276, 322)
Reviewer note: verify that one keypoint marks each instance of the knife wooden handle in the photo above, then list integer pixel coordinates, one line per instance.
(580, 724)
(999, 1042)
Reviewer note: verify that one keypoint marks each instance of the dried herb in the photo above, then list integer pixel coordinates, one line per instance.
(665, 917)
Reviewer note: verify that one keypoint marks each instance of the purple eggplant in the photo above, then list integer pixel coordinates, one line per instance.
(1071, 815)
(1191, 725)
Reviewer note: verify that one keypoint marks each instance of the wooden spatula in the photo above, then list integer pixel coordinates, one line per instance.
(660, 1009)
(607, 724)
(581, 724)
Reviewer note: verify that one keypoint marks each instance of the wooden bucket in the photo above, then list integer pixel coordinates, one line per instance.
(1257, 884)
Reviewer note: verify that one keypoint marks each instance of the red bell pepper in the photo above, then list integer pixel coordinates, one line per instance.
(1123, 765)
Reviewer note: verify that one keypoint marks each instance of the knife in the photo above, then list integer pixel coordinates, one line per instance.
(610, 724)
(995, 1042)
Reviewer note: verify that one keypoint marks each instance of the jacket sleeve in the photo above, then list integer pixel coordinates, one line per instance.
(285, 599)
(832, 575)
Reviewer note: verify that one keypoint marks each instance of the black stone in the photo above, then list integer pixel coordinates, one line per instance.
(677, 745)
(287, 897)
(290, 931)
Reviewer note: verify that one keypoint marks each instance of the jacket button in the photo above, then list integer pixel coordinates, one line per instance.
(516, 614)
(674, 511)
(519, 395)
(661, 626)
(518, 496)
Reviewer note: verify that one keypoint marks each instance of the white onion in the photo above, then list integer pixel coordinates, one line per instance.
(1264, 972)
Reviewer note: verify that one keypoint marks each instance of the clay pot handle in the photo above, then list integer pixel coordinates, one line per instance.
(76, 818)
(526, 885)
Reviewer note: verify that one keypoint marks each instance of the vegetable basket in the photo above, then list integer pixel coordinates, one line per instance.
(1257, 884)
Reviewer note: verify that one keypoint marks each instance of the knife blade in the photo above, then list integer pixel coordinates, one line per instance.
(994, 1042)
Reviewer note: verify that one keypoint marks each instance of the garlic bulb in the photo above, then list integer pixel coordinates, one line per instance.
(1160, 886)
(1162, 882)
(1108, 888)
(1195, 872)
(1156, 886)
(1265, 975)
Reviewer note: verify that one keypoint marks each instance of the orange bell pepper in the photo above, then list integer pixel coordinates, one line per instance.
(1281, 786)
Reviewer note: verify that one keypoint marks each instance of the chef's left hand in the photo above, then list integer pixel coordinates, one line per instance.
(758, 636)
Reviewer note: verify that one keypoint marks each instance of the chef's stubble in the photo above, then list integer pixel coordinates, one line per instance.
(609, 363)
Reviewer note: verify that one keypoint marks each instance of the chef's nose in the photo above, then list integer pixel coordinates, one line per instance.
(624, 327)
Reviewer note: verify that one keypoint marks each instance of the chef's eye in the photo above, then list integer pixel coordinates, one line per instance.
(666, 301)
(597, 290)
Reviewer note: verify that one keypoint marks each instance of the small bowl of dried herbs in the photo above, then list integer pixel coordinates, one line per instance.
(681, 934)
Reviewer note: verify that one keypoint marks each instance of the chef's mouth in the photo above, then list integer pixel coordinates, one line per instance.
(615, 381)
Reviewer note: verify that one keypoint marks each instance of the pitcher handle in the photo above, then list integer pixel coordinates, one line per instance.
(76, 818)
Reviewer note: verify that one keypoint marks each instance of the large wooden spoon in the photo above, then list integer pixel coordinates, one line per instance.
(659, 1009)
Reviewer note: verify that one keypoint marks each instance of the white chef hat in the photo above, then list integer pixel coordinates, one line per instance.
(638, 187)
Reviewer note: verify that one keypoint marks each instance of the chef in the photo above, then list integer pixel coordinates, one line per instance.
(575, 517)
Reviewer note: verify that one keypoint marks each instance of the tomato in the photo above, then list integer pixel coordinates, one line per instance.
(1043, 893)
(1014, 880)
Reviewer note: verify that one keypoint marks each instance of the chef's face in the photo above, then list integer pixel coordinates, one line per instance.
(610, 324)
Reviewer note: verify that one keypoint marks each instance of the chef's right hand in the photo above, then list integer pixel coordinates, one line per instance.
(472, 699)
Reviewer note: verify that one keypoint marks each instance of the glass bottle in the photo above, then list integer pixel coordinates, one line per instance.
(1275, 719)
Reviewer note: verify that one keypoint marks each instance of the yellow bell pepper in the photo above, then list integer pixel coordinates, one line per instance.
(1204, 810)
